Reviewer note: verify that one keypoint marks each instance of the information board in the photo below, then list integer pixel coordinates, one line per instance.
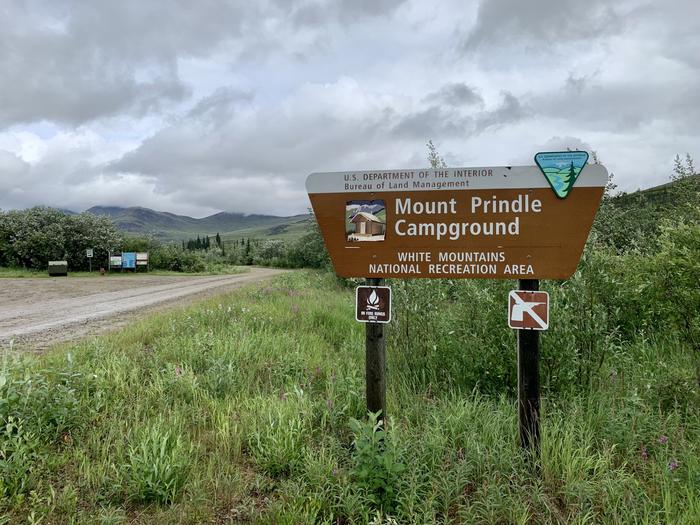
(128, 260)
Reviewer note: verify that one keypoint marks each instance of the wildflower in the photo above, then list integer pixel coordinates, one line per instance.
(672, 465)
(663, 439)
(178, 371)
(643, 453)
(335, 472)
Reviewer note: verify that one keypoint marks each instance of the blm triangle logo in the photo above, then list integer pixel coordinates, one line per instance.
(561, 169)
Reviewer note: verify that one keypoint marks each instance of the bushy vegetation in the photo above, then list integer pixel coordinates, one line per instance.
(30, 238)
(250, 408)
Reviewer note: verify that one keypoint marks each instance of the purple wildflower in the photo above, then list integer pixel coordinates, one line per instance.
(663, 439)
(672, 465)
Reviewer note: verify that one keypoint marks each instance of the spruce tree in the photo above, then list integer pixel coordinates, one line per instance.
(572, 176)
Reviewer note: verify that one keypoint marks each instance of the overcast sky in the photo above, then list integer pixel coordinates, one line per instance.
(195, 107)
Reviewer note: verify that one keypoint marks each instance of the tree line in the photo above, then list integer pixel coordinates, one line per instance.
(32, 237)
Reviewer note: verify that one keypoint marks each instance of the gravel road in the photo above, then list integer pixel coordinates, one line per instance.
(35, 313)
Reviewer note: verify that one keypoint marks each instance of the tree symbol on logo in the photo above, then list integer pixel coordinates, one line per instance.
(572, 177)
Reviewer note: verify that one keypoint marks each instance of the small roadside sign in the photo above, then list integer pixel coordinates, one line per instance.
(373, 304)
(528, 310)
(89, 253)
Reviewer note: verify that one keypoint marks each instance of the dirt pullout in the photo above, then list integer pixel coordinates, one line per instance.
(35, 313)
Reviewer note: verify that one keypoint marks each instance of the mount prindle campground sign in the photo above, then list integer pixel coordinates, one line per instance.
(505, 222)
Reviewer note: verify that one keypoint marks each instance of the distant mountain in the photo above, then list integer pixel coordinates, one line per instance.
(367, 208)
(169, 226)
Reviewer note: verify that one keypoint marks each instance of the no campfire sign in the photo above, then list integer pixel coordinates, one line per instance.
(528, 310)
(373, 304)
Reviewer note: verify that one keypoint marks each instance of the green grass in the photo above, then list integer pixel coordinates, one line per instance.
(249, 408)
(16, 273)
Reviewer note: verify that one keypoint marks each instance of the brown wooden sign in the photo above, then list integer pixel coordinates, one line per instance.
(373, 304)
(494, 222)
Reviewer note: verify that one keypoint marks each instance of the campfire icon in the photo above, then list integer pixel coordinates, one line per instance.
(373, 301)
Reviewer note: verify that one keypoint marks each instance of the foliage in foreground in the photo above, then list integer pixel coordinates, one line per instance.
(249, 409)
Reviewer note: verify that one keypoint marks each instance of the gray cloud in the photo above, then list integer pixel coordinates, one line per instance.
(12, 172)
(540, 23)
(623, 105)
(457, 94)
(433, 121)
(510, 111)
(314, 13)
(72, 62)
(228, 105)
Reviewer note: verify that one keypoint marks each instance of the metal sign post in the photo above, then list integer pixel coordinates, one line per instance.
(529, 381)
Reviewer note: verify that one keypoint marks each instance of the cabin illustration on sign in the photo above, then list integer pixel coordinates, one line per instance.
(365, 221)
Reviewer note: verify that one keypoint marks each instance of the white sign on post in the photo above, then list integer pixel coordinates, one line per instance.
(528, 310)
(89, 253)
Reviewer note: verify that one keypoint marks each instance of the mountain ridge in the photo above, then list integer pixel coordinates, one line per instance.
(170, 226)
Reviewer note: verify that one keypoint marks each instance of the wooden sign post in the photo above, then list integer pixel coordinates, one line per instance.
(503, 222)
(529, 381)
(375, 363)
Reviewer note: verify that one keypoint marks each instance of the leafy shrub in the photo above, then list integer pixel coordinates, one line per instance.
(158, 460)
(32, 237)
(277, 441)
(174, 258)
(49, 404)
(377, 465)
(19, 450)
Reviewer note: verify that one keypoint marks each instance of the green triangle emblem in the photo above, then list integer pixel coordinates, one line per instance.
(561, 169)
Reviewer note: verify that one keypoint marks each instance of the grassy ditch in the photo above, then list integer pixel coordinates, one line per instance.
(249, 408)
